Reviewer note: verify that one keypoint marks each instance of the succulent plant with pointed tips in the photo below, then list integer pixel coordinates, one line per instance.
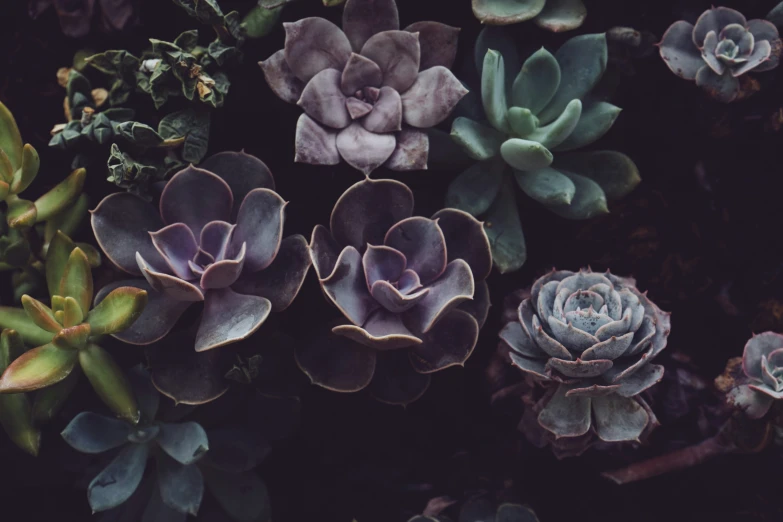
(762, 365)
(66, 334)
(719, 49)
(554, 15)
(15, 409)
(533, 128)
(411, 288)
(368, 90)
(76, 15)
(216, 238)
(589, 339)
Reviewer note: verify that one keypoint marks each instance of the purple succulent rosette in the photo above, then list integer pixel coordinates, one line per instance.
(411, 288)
(76, 15)
(216, 237)
(762, 365)
(588, 338)
(368, 90)
(721, 47)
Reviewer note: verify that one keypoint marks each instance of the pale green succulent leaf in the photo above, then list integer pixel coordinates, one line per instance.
(109, 382)
(478, 141)
(504, 230)
(547, 186)
(582, 61)
(522, 121)
(504, 12)
(76, 280)
(10, 139)
(117, 311)
(474, 190)
(615, 172)
(589, 200)
(559, 130)
(68, 220)
(619, 419)
(18, 320)
(499, 39)
(493, 91)
(537, 81)
(57, 255)
(21, 213)
(62, 195)
(597, 118)
(15, 410)
(525, 154)
(72, 313)
(28, 171)
(41, 315)
(38, 368)
(562, 15)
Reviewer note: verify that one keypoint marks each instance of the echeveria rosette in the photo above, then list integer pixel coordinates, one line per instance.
(411, 288)
(762, 364)
(720, 48)
(554, 15)
(590, 338)
(66, 335)
(369, 90)
(529, 133)
(15, 409)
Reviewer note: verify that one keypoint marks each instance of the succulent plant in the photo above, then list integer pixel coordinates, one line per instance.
(719, 49)
(66, 334)
(554, 15)
(189, 250)
(549, 108)
(762, 365)
(15, 409)
(367, 92)
(411, 288)
(76, 15)
(589, 338)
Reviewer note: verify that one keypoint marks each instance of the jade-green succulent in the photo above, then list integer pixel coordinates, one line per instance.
(15, 409)
(554, 15)
(67, 334)
(528, 136)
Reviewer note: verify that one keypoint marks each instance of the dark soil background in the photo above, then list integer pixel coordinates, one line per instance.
(701, 233)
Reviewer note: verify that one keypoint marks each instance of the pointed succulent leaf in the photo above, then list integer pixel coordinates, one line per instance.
(109, 382)
(57, 256)
(17, 319)
(438, 43)
(432, 97)
(559, 130)
(679, 52)
(364, 150)
(723, 88)
(466, 240)
(537, 82)
(525, 154)
(582, 61)
(589, 199)
(117, 311)
(21, 214)
(67, 221)
(449, 343)
(15, 411)
(48, 401)
(72, 313)
(619, 418)
(474, 190)
(117, 482)
(493, 91)
(614, 172)
(76, 280)
(181, 487)
(364, 18)
(92, 433)
(10, 139)
(281, 78)
(315, 144)
(454, 287)
(337, 363)
(504, 12)
(230, 317)
(504, 230)
(41, 315)
(195, 197)
(566, 416)
(60, 196)
(38, 368)
(315, 44)
(29, 169)
(184, 442)
(596, 120)
(562, 15)
(411, 152)
(398, 55)
(479, 141)
(547, 186)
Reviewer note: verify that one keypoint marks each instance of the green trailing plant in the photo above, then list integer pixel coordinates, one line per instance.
(529, 134)
(15, 409)
(67, 334)
(28, 226)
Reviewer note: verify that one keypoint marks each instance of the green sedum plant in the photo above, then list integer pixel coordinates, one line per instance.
(67, 335)
(15, 409)
(529, 136)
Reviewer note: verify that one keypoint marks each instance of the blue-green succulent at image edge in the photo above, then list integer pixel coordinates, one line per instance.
(530, 134)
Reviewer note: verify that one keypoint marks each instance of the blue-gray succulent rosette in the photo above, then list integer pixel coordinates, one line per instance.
(762, 366)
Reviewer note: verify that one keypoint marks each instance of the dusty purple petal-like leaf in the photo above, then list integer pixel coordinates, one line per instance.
(336, 362)
(260, 225)
(479, 306)
(454, 287)
(195, 197)
(395, 381)
(177, 244)
(224, 273)
(281, 79)
(393, 300)
(324, 251)
(754, 404)
(761, 53)
(715, 19)
(280, 282)
(466, 239)
(765, 30)
(75, 20)
(366, 211)
(679, 52)
(383, 331)
(314, 44)
(411, 153)
(438, 43)
(175, 287)
(382, 263)
(360, 72)
(409, 282)
(619, 419)
(761, 345)
(243, 173)
(364, 18)
(566, 416)
(449, 343)
(357, 108)
(315, 144)
(579, 368)
(364, 150)
(431, 98)
(386, 115)
(203, 258)
(422, 242)
(323, 100)
(215, 237)
(157, 319)
(347, 287)
(122, 223)
(397, 53)
(709, 56)
(229, 317)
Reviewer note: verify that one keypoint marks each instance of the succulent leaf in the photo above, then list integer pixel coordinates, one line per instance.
(62, 195)
(92, 433)
(504, 230)
(525, 154)
(493, 91)
(476, 188)
(109, 382)
(184, 442)
(18, 320)
(10, 139)
(562, 15)
(589, 199)
(547, 186)
(504, 12)
(559, 130)
(478, 141)
(614, 172)
(117, 311)
(76, 281)
(537, 81)
(41, 315)
(181, 487)
(15, 411)
(38, 368)
(28, 171)
(117, 482)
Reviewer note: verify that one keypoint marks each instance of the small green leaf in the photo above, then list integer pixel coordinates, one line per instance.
(38, 368)
(28, 171)
(558, 131)
(259, 21)
(73, 337)
(139, 134)
(62, 195)
(537, 81)
(597, 118)
(187, 41)
(68, 220)
(72, 313)
(478, 141)
(615, 172)
(193, 126)
(493, 91)
(522, 121)
(109, 382)
(499, 39)
(525, 154)
(15, 414)
(547, 186)
(17, 319)
(21, 214)
(57, 255)
(117, 311)
(589, 200)
(504, 230)
(76, 281)
(474, 190)
(6, 169)
(42, 315)
(10, 139)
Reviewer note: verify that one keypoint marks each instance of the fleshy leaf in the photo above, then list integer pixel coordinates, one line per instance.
(493, 91)
(230, 317)
(596, 120)
(395, 381)
(566, 416)
(15, 412)
(525, 154)
(449, 343)
(474, 190)
(504, 230)
(41, 315)
(589, 200)
(466, 240)
(614, 172)
(315, 144)
(559, 130)
(504, 12)
(195, 197)
(38, 368)
(184, 442)
(537, 82)
(478, 141)
(364, 18)
(547, 186)
(364, 150)
(619, 418)
(243, 173)
(281, 78)
(382, 331)
(562, 15)
(260, 226)
(432, 97)
(322, 99)
(117, 311)
(76, 280)
(117, 482)
(26, 174)
(411, 153)
(346, 286)
(92, 433)
(336, 362)
(314, 44)
(422, 242)
(10, 139)
(18, 320)
(723, 88)
(679, 52)
(438, 43)
(109, 382)
(63, 194)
